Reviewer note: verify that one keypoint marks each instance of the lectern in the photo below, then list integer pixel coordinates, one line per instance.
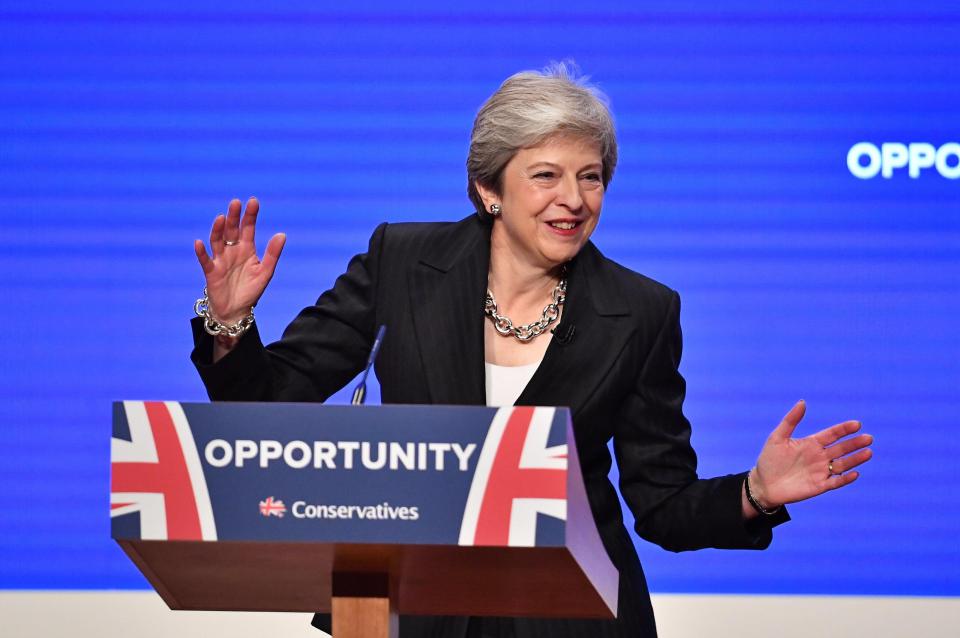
(365, 512)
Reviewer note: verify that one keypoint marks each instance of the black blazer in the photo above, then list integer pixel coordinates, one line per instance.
(616, 369)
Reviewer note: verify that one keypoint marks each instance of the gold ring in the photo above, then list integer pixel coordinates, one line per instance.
(229, 242)
(830, 467)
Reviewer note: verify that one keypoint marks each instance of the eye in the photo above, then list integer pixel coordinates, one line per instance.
(592, 177)
(544, 175)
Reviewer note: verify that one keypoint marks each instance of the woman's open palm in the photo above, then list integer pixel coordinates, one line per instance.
(236, 276)
(790, 470)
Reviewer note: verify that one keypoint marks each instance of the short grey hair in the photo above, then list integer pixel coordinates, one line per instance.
(530, 107)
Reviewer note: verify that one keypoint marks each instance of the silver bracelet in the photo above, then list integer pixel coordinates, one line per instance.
(213, 326)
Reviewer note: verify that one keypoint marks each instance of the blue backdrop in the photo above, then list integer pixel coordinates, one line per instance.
(126, 126)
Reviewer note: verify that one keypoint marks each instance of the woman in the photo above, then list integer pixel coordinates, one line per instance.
(561, 325)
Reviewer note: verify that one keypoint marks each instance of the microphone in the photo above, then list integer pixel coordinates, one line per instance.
(564, 334)
(360, 392)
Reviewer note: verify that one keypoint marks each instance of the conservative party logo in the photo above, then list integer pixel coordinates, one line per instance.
(272, 507)
(866, 160)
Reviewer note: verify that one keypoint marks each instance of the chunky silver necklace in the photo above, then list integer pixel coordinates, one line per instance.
(505, 326)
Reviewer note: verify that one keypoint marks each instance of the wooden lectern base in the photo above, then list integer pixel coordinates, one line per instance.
(363, 606)
(363, 618)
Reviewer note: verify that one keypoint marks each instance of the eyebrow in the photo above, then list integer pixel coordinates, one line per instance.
(593, 166)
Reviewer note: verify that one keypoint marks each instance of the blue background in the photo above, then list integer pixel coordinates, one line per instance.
(126, 126)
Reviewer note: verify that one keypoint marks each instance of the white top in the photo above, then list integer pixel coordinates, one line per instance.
(505, 384)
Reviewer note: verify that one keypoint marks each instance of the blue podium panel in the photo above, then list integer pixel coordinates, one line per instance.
(303, 472)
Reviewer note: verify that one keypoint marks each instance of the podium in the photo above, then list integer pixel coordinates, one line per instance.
(366, 512)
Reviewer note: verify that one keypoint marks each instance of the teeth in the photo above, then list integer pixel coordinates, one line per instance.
(563, 225)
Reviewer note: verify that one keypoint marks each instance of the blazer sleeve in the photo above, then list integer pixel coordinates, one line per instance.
(658, 467)
(324, 347)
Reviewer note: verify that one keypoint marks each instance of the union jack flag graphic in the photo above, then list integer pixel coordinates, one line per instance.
(270, 507)
(157, 473)
(518, 477)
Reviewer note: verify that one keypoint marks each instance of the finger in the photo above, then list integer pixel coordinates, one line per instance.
(841, 480)
(272, 254)
(249, 222)
(231, 232)
(847, 463)
(836, 432)
(842, 448)
(216, 236)
(205, 262)
(789, 423)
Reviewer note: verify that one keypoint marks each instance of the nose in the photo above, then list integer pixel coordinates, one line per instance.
(568, 193)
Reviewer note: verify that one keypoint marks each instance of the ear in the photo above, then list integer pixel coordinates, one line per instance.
(487, 195)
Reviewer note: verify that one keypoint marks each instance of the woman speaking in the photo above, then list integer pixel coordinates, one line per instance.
(515, 305)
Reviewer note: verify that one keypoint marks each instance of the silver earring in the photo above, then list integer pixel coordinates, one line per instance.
(495, 210)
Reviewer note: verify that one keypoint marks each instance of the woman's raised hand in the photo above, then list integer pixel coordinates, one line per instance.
(790, 470)
(236, 277)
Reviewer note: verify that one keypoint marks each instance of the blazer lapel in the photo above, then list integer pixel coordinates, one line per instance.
(447, 289)
(573, 367)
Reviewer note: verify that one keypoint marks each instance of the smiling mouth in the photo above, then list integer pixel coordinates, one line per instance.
(564, 225)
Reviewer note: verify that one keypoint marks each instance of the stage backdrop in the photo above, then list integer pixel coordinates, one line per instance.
(791, 169)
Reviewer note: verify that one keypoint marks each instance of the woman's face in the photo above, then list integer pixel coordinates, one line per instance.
(552, 195)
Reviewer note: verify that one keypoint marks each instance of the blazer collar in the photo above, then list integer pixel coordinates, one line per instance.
(467, 240)
(447, 289)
